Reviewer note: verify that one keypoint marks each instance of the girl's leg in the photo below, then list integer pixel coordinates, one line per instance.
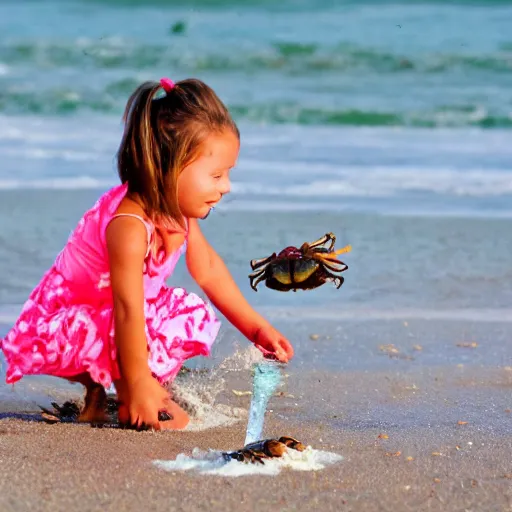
(94, 409)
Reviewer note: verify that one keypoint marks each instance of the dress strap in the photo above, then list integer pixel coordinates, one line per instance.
(148, 227)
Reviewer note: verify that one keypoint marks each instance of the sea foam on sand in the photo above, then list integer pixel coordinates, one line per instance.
(213, 463)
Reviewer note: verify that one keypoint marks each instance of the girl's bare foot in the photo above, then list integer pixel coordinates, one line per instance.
(94, 410)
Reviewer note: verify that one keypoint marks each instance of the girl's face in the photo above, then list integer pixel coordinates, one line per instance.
(203, 182)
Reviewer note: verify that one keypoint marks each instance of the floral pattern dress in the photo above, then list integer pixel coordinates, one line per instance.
(66, 326)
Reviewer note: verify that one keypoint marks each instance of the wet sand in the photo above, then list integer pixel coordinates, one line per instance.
(63, 467)
(422, 424)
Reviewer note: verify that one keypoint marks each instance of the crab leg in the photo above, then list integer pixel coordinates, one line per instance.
(257, 273)
(338, 281)
(262, 261)
(259, 277)
(328, 260)
(321, 241)
(334, 264)
(334, 269)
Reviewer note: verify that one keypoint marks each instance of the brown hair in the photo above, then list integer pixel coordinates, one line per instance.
(163, 133)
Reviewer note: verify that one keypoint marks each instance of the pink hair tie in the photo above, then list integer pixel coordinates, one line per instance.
(167, 84)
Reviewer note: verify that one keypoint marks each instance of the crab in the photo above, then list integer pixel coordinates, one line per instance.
(264, 449)
(66, 413)
(70, 411)
(304, 268)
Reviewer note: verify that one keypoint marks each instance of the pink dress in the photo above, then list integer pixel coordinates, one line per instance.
(66, 326)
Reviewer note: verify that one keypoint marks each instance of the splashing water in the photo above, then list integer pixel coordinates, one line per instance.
(197, 391)
(267, 376)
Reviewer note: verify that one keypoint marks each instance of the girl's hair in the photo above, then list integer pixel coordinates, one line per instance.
(163, 133)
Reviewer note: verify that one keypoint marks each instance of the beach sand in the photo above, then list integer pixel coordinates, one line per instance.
(414, 434)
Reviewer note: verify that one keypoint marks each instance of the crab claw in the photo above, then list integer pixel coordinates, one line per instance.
(49, 417)
(292, 443)
(275, 448)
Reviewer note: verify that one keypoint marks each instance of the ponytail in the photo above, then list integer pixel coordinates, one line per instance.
(163, 133)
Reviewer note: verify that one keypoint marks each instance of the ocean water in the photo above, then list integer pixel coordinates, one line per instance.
(387, 123)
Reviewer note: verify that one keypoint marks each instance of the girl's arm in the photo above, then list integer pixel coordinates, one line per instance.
(212, 275)
(126, 244)
(140, 394)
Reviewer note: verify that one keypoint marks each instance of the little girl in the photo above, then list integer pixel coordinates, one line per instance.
(102, 313)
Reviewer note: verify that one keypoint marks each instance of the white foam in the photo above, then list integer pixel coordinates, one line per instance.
(92, 139)
(349, 182)
(42, 153)
(212, 463)
(71, 183)
(384, 181)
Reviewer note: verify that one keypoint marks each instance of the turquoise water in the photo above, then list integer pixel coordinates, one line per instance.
(308, 63)
(374, 106)
(388, 123)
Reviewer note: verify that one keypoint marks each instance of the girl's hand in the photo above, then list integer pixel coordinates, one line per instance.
(273, 344)
(146, 397)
